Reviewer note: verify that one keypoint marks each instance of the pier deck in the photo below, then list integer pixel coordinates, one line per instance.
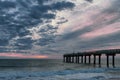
(85, 57)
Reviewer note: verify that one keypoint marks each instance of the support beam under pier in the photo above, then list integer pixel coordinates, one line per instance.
(113, 60)
(94, 62)
(107, 60)
(81, 59)
(99, 60)
(89, 59)
(85, 59)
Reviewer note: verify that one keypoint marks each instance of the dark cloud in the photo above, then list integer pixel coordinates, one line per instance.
(62, 5)
(77, 44)
(7, 5)
(99, 42)
(48, 35)
(62, 20)
(17, 16)
(3, 42)
(114, 7)
(22, 44)
(77, 33)
(89, 0)
(3, 50)
(106, 39)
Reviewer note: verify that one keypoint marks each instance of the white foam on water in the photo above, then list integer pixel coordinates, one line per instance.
(84, 74)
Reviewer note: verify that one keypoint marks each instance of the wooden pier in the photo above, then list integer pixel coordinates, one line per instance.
(85, 57)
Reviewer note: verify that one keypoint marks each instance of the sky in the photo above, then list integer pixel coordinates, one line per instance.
(51, 28)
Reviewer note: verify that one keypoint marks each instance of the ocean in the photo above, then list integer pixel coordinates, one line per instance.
(54, 69)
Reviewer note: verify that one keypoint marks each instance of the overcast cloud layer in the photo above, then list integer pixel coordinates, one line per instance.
(54, 27)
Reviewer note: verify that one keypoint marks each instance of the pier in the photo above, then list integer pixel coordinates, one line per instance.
(85, 57)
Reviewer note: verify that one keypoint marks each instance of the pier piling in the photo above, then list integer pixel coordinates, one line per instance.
(82, 57)
(99, 60)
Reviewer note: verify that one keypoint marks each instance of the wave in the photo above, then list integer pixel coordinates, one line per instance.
(84, 74)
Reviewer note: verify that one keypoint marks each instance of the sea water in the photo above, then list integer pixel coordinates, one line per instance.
(53, 69)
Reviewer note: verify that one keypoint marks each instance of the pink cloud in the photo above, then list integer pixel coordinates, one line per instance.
(109, 29)
(18, 55)
(82, 16)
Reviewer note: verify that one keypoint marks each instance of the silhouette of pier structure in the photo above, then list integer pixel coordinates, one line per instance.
(85, 57)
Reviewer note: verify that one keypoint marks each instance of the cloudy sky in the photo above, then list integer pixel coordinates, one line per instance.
(50, 28)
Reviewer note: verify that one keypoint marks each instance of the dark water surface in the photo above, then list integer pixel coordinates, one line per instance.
(52, 69)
